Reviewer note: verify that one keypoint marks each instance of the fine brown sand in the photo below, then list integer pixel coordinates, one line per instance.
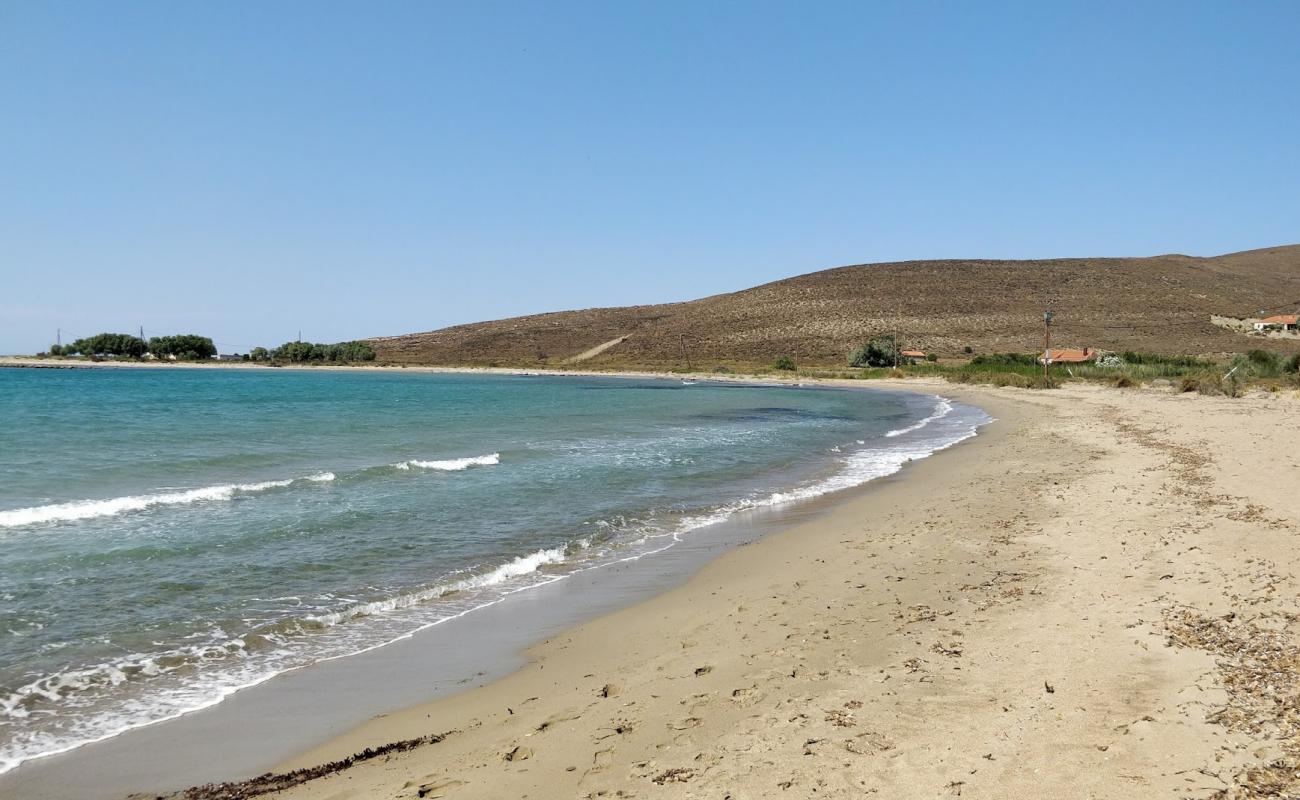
(1094, 598)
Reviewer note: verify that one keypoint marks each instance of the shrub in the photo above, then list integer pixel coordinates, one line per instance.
(931, 357)
(1152, 359)
(1262, 358)
(968, 349)
(1122, 382)
(784, 362)
(881, 351)
(1006, 360)
(56, 350)
(1292, 364)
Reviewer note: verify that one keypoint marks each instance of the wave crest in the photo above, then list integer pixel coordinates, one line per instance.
(452, 464)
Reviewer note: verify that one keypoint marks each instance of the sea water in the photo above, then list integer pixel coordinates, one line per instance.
(170, 536)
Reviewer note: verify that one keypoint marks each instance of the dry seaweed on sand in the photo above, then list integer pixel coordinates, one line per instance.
(1258, 664)
(278, 782)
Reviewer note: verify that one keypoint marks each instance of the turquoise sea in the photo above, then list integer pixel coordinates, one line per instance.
(169, 536)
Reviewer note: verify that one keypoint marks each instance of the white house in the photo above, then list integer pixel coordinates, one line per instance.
(1280, 322)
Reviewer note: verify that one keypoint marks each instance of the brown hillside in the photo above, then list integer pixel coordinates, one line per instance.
(1160, 304)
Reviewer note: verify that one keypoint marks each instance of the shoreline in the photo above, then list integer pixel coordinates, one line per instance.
(997, 620)
(1003, 621)
(28, 780)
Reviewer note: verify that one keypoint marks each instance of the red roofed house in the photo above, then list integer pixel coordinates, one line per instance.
(913, 354)
(1281, 322)
(1070, 356)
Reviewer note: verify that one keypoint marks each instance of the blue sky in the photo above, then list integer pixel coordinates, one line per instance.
(247, 170)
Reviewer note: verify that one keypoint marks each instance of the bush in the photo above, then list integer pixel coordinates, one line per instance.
(931, 357)
(1263, 359)
(1151, 359)
(1292, 364)
(784, 362)
(1006, 360)
(882, 351)
(1122, 382)
(968, 349)
(56, 350)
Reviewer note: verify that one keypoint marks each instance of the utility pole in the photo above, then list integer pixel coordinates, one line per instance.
(58, 338)
(1047, 348)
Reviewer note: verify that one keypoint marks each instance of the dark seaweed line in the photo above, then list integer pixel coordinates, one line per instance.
(273, 782)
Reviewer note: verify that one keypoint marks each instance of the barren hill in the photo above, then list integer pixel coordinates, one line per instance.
(1159, 304)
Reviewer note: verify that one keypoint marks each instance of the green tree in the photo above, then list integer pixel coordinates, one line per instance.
(259, 354)
(187, 346)
(881, 351)
(108, 344)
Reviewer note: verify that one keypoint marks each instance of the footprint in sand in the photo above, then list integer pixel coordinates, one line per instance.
(746, 696)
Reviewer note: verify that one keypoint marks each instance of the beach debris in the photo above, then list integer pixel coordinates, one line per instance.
(428, 789)
(279, 782)
(703, 671)
(674, 775)
(1049, 687)
(1258, 666)
(519, 753)
(608, 690)
(840, 718)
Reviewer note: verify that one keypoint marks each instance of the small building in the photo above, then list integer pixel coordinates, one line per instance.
(912, 353)
(1070, 356)
(229, 357)
(1279, 322)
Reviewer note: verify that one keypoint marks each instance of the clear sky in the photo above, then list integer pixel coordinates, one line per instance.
(250, 169)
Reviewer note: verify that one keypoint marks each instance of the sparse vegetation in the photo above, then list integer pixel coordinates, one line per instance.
(785, 363)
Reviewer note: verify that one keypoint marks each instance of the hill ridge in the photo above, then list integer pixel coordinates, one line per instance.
(1158, 303)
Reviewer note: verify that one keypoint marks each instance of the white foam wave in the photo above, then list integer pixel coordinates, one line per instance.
(452, 464)
(321, 477)
(941, 410)
(518, 567)
(89, 509)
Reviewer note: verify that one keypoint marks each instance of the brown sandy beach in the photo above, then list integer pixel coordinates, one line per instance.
(1094, 598)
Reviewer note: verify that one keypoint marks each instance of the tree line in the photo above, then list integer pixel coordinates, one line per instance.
(192, 347)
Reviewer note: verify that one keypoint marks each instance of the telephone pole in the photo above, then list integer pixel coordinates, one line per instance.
(1047, 347)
